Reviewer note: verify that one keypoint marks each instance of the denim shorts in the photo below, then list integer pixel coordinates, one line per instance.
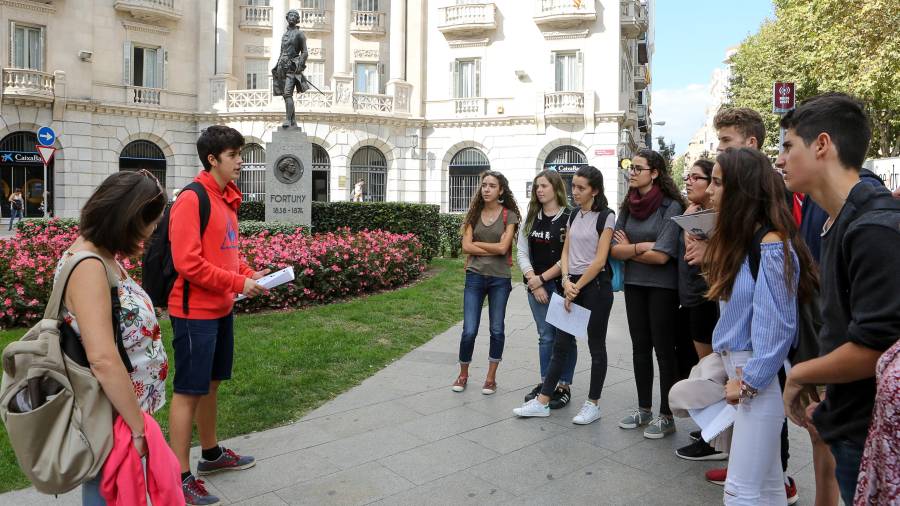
(204, 352)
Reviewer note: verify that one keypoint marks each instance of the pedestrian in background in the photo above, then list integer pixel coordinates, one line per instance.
(646, 239)
(488, 233)
(539, 249)
(16, 206)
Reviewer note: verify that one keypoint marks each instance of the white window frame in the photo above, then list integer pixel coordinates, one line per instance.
(256, 78)
(315, 73)
(571, 78)
(159, 73)
(312, 4)
(471, 88)
(42, 42)
(366, 5)
(371, 84)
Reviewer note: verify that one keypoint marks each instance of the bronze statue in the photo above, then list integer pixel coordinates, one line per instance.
(288, 72)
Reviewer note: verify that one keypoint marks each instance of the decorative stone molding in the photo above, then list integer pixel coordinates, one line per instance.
(365, 54)
(316, 53)
(461, 43)
(257, 50)
(572, 34)
(133, 26)
(28, 5)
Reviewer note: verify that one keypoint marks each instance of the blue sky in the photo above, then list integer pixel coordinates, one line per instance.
(691, 39)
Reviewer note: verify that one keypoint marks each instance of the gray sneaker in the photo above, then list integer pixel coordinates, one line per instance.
(228, 461)
(660, 427)
(195, 493)
(635, 419)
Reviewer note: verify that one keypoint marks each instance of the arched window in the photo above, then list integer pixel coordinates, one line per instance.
(252, 181)
(368, 164)
(142, 154)
(321, 173)
(566, 160)
(21, 167)
(465, 167)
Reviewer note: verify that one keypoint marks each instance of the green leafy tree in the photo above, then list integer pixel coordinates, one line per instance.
(826, 45)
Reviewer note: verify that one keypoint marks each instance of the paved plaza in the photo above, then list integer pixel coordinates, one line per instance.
(402, 437)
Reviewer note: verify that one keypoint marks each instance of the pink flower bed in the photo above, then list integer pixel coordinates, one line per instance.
(328, 266)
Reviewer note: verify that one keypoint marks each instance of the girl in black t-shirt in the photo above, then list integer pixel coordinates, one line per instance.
(539, 249)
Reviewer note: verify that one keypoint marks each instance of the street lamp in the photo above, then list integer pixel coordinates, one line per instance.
(660, 123)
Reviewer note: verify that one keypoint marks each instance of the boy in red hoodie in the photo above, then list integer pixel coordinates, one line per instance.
(204, 335)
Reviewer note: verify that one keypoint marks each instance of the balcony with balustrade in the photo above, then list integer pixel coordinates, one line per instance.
(261, 100)
(563, 103)
(557, 14)
(469, 107)
(28, 84)
(367, 23)
(143, 96)
(151, 10)
(640, 77)
(256, 18)
(314, 20)
(468, 19)
(633, 18)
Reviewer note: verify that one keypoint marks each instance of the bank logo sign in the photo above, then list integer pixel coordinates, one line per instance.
(17, 158)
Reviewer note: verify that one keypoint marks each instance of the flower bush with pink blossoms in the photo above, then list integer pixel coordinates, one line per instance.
(327, 267)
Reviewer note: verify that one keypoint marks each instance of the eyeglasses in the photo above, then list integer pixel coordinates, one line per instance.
(634, 169)
(694, 178)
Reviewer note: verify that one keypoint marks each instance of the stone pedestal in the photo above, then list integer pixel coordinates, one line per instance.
(289, 177)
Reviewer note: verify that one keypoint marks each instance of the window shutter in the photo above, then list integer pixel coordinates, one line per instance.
(126, 67)
(579, 75)
(161, 57)
(478, 77)
(42, 51)
(454, 78)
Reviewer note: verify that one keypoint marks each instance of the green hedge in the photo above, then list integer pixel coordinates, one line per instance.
(252, 211)
(451, 237)
(398, 217)
(37, 226)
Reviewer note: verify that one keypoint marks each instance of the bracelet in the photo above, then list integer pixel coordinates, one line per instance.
(541, 277)
(635, 250)
(747, 392)
(137, 436)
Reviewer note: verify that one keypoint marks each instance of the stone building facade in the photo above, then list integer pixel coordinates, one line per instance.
(417, 96)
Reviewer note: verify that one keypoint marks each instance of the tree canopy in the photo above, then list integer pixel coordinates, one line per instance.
(851, 46)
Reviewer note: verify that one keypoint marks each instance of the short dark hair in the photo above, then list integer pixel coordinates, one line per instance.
(595, 180)
(216, 139)
(705, 164)
(840, 116)
(746, 121)
(18, 189)
(120, 209)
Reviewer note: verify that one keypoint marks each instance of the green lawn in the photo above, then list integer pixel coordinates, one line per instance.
(287, 364)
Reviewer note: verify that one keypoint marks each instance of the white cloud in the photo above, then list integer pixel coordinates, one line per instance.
(683, 110)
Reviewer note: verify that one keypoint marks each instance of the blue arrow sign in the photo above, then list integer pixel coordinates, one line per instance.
(46, 136)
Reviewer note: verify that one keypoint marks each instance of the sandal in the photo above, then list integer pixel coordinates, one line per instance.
(489, 387)
(460, 384)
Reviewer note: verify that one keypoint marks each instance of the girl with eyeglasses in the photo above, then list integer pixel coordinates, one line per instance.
(646, 239)
(488, 232)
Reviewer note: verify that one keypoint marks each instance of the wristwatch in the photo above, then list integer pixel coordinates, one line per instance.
(541, 277)
(747, 392)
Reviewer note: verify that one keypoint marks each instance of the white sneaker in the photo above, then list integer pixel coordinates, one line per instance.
(532, 408)
(590, 412)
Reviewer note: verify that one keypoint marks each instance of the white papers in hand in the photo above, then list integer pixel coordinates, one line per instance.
(272, 280)
(575, 322)
(699, 224)
(714, 419)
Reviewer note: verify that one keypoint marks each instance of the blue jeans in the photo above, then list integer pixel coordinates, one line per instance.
(546, 336)
(14, 213)
(847, 457)
(497, 292)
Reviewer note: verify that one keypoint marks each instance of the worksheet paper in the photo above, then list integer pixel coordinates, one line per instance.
(700, 224)
(575, 322)
(272, 280)
(713, 419)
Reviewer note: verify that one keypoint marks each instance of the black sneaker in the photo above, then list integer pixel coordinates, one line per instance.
(700, 450)
(534, 392)
(561, 397)
(695, 436)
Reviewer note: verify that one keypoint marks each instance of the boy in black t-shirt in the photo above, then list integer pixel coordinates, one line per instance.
(826, 141)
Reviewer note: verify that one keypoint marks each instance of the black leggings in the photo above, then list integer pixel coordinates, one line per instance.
(596, 296)
(652, 322)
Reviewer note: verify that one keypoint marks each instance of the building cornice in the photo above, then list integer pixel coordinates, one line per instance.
(28, 5)
(574, 34)
(481, 122)
(134, 26)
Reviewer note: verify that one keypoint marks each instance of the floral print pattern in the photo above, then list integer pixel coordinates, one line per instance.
(879, 473)
(141, 336)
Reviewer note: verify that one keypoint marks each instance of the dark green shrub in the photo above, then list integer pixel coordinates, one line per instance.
(252, 211)
(249, 228)
(451, 238)
(423, 220)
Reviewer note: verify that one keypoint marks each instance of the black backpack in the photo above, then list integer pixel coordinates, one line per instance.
(809, 313)
(159, 272)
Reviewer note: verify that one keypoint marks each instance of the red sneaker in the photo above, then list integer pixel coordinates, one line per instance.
(791, 489)
(717, 476)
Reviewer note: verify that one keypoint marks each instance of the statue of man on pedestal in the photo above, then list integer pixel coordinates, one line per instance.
(288, 72)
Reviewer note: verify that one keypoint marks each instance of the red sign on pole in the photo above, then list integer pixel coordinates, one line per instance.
(46, 153)
(782, 97)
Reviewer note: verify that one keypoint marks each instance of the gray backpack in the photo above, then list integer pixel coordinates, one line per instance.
(58, 418)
